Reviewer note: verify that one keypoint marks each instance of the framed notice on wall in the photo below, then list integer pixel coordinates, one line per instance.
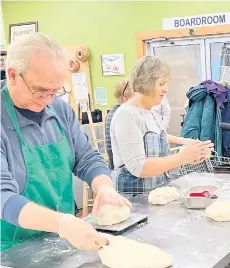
(113, 64)
(80, 87)
(19, 29)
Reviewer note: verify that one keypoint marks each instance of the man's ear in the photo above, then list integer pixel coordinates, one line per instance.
(11, 76)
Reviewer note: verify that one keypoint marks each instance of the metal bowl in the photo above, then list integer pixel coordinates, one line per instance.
(199, 202)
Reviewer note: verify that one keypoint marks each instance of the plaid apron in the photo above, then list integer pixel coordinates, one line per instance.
(155, 146)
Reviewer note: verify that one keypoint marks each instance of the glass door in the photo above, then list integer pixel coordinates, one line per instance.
(218, 58)
(187, 61)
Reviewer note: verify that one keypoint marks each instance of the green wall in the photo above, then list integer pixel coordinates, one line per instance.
(105, 27)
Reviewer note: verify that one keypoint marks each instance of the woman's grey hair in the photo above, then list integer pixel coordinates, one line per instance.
(146, 72)
(24, 47)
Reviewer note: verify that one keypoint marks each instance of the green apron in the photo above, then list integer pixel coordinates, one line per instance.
(49, 179)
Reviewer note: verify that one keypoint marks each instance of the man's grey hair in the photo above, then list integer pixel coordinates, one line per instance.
(24, 47)
(146, 72)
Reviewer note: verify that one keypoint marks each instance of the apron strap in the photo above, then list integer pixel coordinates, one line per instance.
(11, 112)
(60, 128)
(157, 123)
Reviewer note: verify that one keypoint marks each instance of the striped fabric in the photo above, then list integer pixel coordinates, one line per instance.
(129, 185)
(107, 135)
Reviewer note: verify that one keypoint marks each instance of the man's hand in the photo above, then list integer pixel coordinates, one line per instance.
(80, 234)
(108, 195)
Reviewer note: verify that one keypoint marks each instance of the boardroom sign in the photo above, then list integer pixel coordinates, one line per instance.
(197, 21)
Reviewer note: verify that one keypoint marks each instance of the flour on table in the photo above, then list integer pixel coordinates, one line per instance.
(110, 214)
(126, 253)
(163, 195)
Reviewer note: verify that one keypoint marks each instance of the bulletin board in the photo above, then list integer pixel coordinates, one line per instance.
(79, 64)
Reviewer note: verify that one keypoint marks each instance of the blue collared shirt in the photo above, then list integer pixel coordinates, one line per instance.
(88, 163)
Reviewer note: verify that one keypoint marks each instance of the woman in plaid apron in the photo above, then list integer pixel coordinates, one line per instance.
(139, 141)
(156, 145)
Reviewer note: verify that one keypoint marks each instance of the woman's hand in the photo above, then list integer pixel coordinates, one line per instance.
(197, 152)
(188, 141)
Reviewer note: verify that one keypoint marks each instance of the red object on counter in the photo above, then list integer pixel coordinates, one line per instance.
(204, 194)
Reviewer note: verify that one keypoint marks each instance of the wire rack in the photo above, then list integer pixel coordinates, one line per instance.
(205, 166)
(214, 164)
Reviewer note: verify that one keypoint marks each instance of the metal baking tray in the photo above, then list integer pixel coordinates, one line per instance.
(199, 202)
(134, 220)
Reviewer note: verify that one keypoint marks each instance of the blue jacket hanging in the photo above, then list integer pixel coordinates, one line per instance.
(226, 133)
(203, 118)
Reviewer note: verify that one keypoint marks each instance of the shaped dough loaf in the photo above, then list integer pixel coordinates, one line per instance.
(110, 214)
(219, 210)
(126, 253)
(163, 195)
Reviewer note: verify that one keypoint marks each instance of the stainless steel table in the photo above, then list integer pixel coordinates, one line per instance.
(189, 236)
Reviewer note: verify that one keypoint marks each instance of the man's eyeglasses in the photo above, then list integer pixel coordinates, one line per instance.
(43, 95)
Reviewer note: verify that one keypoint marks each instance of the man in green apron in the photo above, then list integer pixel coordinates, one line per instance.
(42, 146)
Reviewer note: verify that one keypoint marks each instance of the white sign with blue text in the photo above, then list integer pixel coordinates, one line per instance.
(196, 21)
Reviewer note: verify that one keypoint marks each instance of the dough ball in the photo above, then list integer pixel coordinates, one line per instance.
(163, 195)
(110, 214)
(219, 210)
(126, 253)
